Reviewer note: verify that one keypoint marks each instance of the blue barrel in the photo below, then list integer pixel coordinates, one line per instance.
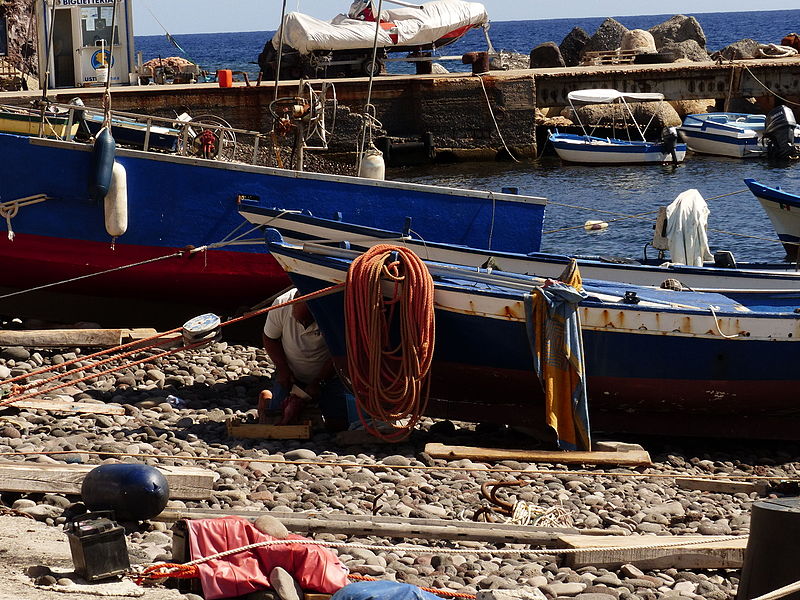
(102, 164)
(134, 492)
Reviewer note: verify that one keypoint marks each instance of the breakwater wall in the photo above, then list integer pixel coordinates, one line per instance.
(464, 115)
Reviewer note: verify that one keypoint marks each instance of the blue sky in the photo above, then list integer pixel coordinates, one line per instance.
(207, 16)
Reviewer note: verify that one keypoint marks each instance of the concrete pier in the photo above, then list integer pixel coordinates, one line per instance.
(453, 107)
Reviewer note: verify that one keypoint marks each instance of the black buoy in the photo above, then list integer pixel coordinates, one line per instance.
(770, 560)
(103, 153)
(134, 492)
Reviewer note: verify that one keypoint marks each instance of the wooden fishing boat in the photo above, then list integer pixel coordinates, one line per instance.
(783, 209)
(589, 149)
(656, 360)
(25, 121)
(298, 227)
(183, 230)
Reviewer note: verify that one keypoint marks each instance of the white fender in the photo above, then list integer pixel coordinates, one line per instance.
(372, 165)
(115, 203)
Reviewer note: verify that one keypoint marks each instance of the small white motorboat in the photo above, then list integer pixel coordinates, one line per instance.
(589, 149)
(738, 135)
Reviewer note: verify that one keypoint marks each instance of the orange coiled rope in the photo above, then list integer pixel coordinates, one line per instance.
(389, 357)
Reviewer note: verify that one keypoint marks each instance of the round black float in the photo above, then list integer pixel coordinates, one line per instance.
(133, 492)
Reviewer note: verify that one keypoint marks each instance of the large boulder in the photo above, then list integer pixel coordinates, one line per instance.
(638, 40)
(741, 50)
(607, 37)
(687, 50)
(693, 107)
(606, 115)
(572, 45)
(678, 29)
(546, 55)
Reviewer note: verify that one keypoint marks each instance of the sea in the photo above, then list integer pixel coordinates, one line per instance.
(613, 194)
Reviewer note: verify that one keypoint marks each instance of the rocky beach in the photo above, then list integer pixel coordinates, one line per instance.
(175, 413)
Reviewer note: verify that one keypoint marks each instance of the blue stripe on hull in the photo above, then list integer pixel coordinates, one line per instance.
(178, 203)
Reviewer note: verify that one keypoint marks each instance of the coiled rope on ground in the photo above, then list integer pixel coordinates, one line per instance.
(389, 356)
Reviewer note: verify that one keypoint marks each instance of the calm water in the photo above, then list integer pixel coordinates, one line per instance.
(627, 190)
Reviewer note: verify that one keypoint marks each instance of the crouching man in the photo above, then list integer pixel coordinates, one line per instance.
(304, 370)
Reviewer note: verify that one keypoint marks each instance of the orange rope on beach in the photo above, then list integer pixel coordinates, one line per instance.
(389, 369)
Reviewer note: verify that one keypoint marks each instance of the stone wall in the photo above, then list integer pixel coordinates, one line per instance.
(21, 21)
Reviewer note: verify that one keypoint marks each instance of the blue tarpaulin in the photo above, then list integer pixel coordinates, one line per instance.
(383, 590)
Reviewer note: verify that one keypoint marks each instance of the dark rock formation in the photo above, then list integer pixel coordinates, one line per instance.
(546, 55)
(607, 37)
(572, 45)
(687, 49)
(678, 29)
(743, 49)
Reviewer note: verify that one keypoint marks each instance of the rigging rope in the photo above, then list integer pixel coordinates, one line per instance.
(10, 208)
(369, 119)
(389, 358)
(16, 390)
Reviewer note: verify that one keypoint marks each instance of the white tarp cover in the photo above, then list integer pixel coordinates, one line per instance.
(414, 26)
(608, 96)
(687, 218)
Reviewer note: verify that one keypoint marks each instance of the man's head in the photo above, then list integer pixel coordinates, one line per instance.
(301, 314)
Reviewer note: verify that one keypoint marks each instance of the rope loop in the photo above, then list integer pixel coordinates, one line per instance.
(389, 356)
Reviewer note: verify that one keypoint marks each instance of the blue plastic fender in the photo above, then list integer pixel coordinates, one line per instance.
(134, 492)
(102, 164)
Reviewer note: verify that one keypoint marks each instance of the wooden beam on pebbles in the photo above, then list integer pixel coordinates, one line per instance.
(70, 338)
(66, 406)
(727, 554)
(186, 483)
(389, 527)
(721, 487)
(633, 458)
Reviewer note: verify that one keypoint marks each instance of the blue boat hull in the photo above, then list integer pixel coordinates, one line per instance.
(783, 210)
(176, 202)
(483, 369)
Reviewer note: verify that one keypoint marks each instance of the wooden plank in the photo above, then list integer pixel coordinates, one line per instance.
(721, 487)
(389, 527)
(261, 431)
(727, 554)
(187, 483)
(68, 338)
(628, 458)
(66, 406)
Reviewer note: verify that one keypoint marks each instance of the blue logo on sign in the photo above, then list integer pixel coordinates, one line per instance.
(101, 59)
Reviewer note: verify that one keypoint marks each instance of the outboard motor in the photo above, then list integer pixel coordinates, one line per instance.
(779, 130)
(669, 139)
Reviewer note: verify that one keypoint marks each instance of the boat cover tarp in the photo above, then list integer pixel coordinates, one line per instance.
(412, 26)
(554, 334)
(607, 96)
(383, 590)
(687, 219)
(313, 567)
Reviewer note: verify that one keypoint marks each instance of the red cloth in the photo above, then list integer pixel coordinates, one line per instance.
(314, 568)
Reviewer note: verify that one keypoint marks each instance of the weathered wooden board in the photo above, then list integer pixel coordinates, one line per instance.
(70, 407)
(389, 527)
(721, 487)
(188, 483)
(629, 458)
(261, 431)
(63, 338)
(728, 554)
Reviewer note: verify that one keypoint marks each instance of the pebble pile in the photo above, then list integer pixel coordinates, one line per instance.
(175, 414)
